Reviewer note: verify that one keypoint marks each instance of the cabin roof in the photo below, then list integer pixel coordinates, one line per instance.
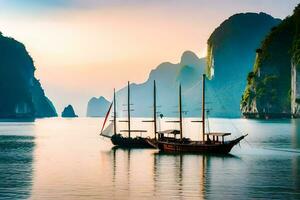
(218, 134)
(171, 131)
(139, 131)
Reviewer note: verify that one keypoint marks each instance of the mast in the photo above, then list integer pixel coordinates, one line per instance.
(128, 108)
(203, 108)
(115, 113)
(154, 109)
(180, 112)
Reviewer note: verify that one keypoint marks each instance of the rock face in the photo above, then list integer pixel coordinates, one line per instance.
(295, 85)
(21, 93)
(68, 112)
(273, 82)
(97, 107)
(43, 106)
(168, 76)
(231, 52)
(295, 90)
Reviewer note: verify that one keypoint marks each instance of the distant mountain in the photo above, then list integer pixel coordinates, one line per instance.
(97, 107)
(231, 52)
(168, 76)
(21, 93)
(68, 112)
(270, 88)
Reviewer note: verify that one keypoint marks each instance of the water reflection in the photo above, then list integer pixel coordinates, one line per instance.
(16, 160)
(70, 161)
(132, 177)
(178, 175)
(185, 175)
(147, 174)
(295, 139)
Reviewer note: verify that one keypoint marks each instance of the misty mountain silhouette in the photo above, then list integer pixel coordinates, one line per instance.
(97, 107)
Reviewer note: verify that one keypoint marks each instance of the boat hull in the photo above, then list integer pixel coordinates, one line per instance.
(126, 142)
(195, 146)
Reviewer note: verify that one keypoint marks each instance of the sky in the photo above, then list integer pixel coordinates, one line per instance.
(85, 48)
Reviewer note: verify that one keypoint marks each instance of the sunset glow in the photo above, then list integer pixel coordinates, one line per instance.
(86, 48)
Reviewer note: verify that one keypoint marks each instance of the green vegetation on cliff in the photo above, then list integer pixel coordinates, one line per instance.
(269, 84)
(21, 93)
(296, 47)
(230, 56)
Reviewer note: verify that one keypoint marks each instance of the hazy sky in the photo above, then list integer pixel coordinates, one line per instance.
(85, 48)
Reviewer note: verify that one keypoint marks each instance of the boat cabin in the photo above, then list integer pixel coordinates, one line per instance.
(216, 136)
(171, 135)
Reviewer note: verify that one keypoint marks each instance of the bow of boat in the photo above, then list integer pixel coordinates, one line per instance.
(237, 140)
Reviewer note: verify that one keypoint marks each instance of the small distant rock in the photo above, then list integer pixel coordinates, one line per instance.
(69, 112)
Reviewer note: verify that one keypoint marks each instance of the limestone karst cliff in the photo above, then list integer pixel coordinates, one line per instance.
(273, 82)
(21, 93)
(230, 57)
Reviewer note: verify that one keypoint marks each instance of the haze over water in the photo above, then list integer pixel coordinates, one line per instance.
(67, 159)
(85, 48)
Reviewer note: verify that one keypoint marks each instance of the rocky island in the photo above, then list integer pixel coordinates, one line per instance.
(68, 112)
(22, 96)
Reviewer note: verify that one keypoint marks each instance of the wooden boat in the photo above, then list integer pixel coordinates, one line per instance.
(173, 141)
(117, 138)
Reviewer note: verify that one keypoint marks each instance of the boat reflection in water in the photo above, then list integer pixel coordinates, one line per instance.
(64, 159)
(163, 175)
(132, 176)
(196, 176)
(187, 173)
(295, 139)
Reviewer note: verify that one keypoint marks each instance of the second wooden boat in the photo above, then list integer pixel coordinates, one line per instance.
(173, 141)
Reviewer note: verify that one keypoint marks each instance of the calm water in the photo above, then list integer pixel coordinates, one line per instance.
(66, 159)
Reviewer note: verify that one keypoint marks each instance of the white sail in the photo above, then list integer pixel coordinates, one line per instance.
(105, 120)
(108, 131)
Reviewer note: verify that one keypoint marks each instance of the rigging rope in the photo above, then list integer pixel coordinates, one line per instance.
(220, 102)
(232, 124)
